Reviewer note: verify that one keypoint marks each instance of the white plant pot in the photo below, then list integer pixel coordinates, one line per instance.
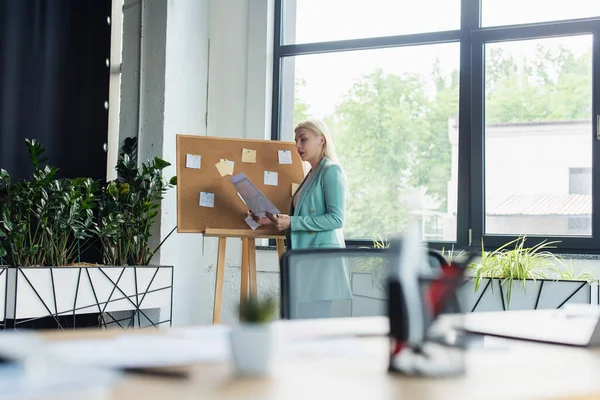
(252, 348)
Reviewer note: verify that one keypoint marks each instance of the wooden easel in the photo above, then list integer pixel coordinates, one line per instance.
(248, 284)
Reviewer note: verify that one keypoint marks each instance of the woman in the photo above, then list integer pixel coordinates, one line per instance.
(315, 219)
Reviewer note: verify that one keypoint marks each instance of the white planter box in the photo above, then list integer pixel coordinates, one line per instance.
(537, 295)
(369, 298)
(36, 292)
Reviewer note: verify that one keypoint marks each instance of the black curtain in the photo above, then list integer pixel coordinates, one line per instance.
(54, 82)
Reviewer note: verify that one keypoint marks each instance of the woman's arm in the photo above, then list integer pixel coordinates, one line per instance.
(334, 187)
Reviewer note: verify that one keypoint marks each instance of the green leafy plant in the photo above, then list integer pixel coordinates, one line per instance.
(450, 255)
(257, 311)
(564, 272)
(44, 220)
(129, 207)
(514, 262)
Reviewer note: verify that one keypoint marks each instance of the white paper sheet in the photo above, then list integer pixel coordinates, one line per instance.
(251, 222)
(271, 178)
(139, 351)
(207, 199)
(256, 201)
(285, 156)
(193, 161)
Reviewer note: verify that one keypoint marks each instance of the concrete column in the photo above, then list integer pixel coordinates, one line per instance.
(205, 70)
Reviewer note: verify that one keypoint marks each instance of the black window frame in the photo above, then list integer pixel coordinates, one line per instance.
(472, 38)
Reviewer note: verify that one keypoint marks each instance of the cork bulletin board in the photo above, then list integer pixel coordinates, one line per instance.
(197, 157)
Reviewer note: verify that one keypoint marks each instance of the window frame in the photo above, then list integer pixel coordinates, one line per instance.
(481, 37)
(472, 38)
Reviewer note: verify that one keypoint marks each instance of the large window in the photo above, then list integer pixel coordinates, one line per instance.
(512, 12)
(480, 131)
(538, 126)
(310, 21)
(393, 115)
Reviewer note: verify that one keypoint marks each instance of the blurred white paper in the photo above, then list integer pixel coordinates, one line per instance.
(207, 199)
(193, 161)
(271, 178)
(138, 351)
(241, 198)
(256, 201)
(251, 222)
(285, 156)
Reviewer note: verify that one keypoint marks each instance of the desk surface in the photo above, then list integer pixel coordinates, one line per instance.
(505, 370)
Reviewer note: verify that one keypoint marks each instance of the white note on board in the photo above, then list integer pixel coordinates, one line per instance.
(251, 222)
(193, 161)
(285, 156)
(207, 199)
(271, 178)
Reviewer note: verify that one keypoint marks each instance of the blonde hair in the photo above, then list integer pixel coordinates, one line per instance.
(319, 128)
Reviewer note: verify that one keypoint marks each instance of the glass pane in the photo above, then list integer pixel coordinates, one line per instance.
(512, 12)
(393, 116)
(538, 137)
(307, 21)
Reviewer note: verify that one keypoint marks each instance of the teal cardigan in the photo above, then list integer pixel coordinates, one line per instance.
(318, 217)
(317, 221)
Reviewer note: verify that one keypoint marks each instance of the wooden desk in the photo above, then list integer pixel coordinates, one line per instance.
(509, 370)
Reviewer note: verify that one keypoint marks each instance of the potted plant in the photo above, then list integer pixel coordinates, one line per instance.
(543, 279)
(47, 222)
(128, 208)
(252, 341)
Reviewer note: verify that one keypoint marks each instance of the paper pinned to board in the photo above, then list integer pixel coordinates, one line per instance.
(295, 187)
(248, 156)
(285, 156)
(271, 178)
(207, 199)
(193, 161)
(225, 167)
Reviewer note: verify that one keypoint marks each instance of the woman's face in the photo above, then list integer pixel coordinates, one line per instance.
(309, 145)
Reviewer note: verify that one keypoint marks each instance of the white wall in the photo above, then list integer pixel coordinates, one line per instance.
(534, 159)
(205, 69)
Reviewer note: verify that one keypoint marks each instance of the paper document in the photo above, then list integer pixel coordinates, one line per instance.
(271, 178)
(295, 187)
(138, 351)
(225, 167)
(285, 156)
(248, 156)
(207, 199)
(256, 201)
(193, 161)
(251, 222)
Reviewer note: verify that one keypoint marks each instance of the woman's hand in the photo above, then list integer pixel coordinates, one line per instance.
(262, 221)
(281, 221)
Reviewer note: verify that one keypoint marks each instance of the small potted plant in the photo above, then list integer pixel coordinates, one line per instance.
(252, 341)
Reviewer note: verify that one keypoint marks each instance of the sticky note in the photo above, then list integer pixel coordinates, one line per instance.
(251, 222)
(271, 178)
(248, 156)
(294, 188)
(285, 156)
(207, 199)
(192, 161)
(225, 167)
